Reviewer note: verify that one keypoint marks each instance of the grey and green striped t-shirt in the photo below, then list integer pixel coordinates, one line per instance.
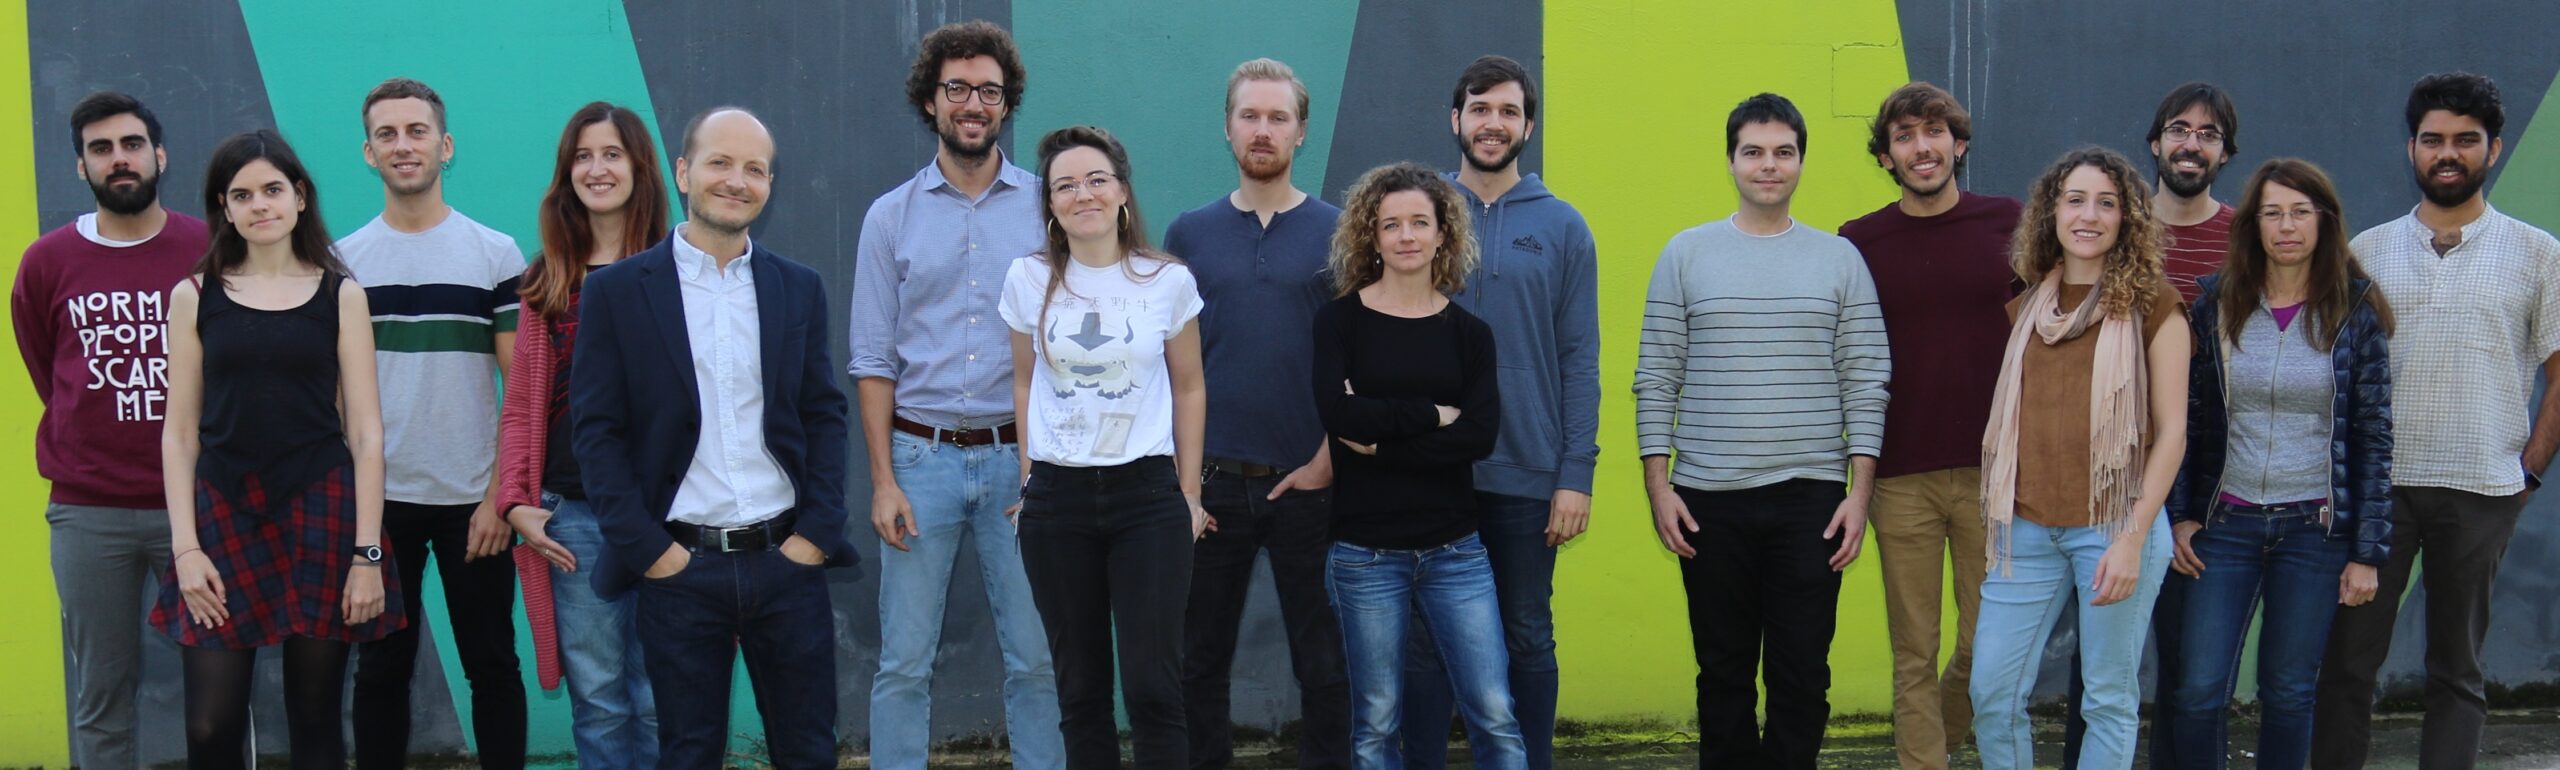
(1763, 358)
(439, 299)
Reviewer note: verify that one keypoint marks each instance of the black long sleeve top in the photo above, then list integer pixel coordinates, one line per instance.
(1417, 491)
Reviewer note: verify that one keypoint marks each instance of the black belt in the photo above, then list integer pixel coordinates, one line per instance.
(1241, 469)
(764, 535)
(1001, 434)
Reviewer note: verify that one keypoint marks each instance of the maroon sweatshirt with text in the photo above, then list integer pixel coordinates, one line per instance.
(91, 320)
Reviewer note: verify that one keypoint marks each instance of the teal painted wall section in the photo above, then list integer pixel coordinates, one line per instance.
(510, 74)
(1154, 73)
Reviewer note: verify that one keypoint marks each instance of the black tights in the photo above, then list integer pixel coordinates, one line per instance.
(218, 683)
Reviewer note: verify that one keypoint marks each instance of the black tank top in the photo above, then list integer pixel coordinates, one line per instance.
(271, 425)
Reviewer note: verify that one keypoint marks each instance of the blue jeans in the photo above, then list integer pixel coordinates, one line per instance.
(2048, 568)
(1376, 592)
(2281, 553)
(613, 716)
(1524, 572)
(695, 624)
(958, 495)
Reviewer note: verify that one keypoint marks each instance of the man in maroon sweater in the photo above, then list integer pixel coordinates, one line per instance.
(89, 311)
(1939, 257)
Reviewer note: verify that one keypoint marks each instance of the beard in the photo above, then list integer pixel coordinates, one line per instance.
(2182, 184)
(2455, 193)
(1466, 147)
(698, 215)
(948, 130)
(146, 191)
(1941, 186)
(1265, 170)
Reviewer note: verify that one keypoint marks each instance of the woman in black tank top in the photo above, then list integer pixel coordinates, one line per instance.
(272, 454)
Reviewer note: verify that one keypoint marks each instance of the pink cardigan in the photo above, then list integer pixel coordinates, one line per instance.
(524, 420)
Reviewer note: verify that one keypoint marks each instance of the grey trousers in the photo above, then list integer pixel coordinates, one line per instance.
(105, 560)
(2464, 536)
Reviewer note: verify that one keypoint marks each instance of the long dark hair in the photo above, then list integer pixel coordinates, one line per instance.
(2329, 292)
(567, 231)
(310, 238)
(1133, 229)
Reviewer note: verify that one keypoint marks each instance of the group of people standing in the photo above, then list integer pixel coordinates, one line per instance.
(1396, 399)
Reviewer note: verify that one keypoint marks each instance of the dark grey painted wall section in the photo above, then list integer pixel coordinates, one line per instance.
(1405, 59)
(2328, 84)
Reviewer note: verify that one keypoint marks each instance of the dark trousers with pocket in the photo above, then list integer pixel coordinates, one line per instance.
(480, 601)
(1108, 552)
(1763, 600)
(1293, 529)
(696, 624)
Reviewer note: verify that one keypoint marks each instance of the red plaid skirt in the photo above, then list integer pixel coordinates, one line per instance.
(283, 575)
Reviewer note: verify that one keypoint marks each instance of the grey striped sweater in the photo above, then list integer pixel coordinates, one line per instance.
(1763, 358)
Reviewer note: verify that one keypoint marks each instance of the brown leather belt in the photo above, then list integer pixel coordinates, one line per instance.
(1001, 434)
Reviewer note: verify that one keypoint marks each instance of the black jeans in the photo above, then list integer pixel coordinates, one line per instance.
(479, 598)
(1293, 528)
(1108, 552)
(1762, 593)
(694, 625)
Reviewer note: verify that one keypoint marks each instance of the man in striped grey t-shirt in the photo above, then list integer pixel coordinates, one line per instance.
(1760, 394)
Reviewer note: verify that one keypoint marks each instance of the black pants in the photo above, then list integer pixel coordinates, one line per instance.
(479, 598)
(217, 686)
(1762, 598)
(1293, 529)
(1108, 552)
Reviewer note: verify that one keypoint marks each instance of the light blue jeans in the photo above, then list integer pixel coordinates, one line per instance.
(612, 715)
(958, 495)
(2048, 568)
(1375, 592)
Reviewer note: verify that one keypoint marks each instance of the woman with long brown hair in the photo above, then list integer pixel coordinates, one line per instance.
(607, 201)
(2087, 426)
(2286, 500)
(1107, 381)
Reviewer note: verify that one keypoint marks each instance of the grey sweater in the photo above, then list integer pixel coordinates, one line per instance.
(2278, 389)
(1763, 358)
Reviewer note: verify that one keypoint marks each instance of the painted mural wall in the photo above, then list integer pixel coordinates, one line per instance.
(1636, 91)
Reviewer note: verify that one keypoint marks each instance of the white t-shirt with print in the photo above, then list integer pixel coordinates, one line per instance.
(1099, 393)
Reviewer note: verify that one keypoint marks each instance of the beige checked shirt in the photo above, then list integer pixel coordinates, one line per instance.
(2473, 325)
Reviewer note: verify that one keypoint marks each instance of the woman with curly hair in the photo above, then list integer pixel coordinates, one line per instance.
(2088, 423)
(1404, 383)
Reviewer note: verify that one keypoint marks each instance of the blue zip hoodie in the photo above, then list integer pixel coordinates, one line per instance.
(1538, 287)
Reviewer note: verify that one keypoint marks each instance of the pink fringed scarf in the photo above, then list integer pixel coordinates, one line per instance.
(2118, 406)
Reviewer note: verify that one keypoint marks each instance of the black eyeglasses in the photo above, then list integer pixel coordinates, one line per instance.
(958, 92)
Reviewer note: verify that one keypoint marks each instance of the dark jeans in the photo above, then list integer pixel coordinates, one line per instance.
(696, 623)
(1108, 551)
(2284, 555)
(2464, 536)
(1763, 600)
(2167, 612)
(1524, 578)
(1292, 529)
(480, 600)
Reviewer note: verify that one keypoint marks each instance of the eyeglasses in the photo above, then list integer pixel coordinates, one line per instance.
(1095, 183)
(2176, 134)
(958, 92)
(2272, 217)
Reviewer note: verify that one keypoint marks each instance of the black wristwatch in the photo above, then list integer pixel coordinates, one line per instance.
(368, 556)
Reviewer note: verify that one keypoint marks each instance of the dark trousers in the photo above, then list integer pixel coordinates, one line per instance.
(1293, 530)
(1108, 552)
(695, 624)
(1524, 580)
(2168, 613)
(479, 599)
(2464, 536)
(1763, 600)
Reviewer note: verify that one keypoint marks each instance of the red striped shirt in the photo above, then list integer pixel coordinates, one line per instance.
(2196, 251)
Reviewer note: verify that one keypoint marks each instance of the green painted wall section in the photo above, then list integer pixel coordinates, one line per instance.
(1154, 74)
(510, 74)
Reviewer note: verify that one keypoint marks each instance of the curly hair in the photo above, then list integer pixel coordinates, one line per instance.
(2132, 264)
(1925, 101)
(1356, 262)
(963, 40)
(2460, 93)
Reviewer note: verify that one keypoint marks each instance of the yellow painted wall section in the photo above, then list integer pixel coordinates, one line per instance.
(31, 717)
(1636, 95)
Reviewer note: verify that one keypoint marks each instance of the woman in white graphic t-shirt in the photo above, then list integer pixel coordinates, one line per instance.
(1107, 381)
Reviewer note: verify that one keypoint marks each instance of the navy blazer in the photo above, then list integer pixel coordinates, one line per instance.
(634, 418)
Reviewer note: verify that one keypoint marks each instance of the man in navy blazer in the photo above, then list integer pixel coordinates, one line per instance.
(706, 419)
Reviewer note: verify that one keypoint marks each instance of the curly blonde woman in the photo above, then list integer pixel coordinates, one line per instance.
(2087, 426)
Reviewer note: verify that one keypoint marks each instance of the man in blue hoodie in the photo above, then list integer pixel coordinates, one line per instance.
(1538, 287)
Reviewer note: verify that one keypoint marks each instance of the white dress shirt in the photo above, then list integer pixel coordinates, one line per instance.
(734, 480)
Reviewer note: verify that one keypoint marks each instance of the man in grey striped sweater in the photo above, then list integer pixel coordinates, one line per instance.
(1760, 394)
